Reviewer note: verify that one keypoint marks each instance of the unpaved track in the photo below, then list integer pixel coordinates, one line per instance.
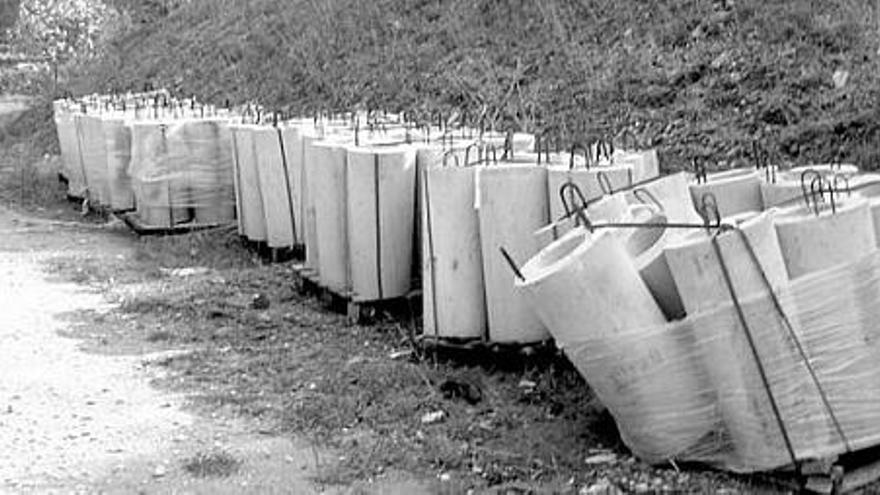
(75, 422)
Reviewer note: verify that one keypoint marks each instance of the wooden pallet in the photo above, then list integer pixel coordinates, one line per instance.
(134, 222)
(356, 310)
(482, 345)
(482, 352)
(275, 255)
(845, 474)
(409, 308)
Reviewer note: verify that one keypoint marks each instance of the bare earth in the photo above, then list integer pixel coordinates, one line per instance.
(73, 422)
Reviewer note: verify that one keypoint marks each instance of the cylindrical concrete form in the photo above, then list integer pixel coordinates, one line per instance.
(735, 191)
(672, 194)
(253, 218)
(512, 204)
(117, 138)
(452, 262)
(292, 141)
(868, 186)
(328, 187)
(380, 187)
(278, 207)
(645, 164)
(745, 404)
(588, 292)
(786, 190)
(94, 153)
(812, 242)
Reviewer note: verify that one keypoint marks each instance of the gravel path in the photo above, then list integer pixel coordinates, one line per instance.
(74, 422)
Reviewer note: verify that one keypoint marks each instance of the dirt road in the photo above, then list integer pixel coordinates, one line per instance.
(75, 422)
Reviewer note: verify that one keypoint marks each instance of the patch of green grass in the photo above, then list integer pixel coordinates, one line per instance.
(159, 336)
(217, 464)
(215, 248)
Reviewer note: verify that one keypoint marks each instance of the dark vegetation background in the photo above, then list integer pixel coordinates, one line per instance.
(690, 77)
(8, 14)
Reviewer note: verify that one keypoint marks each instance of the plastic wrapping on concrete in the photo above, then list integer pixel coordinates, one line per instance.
(814, 240)
(68, 141)
(117, 140)
(182, 171)
(868, 186)
(764, 371)
(94, 157)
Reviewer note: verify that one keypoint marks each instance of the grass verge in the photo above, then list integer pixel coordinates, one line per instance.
(298, 370)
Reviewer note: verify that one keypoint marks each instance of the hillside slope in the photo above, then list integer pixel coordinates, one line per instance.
(694, 78)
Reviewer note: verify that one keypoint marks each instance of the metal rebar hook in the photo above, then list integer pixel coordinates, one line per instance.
(804, 191)
(818, 187)
(758, 155)
(508, 146)
(604, 183)
(641, 194)
(512, 264)
(817, 193)
(700, 172)
(709, 212)
(467, 153)
(542, 144)
(451, 153)
(487, 147)
(838, 178)
(604, 149)
(609, 147)
(574, 149)
(628, 139)
(571, 209)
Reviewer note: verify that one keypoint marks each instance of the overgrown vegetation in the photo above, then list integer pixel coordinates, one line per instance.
(693, 78)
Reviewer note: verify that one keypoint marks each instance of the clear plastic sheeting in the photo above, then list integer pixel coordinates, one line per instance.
(94, 157)
(68, 141)
(182, 171)
(814, 240)
(154, 194)
(763, 373)
(117, 140)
